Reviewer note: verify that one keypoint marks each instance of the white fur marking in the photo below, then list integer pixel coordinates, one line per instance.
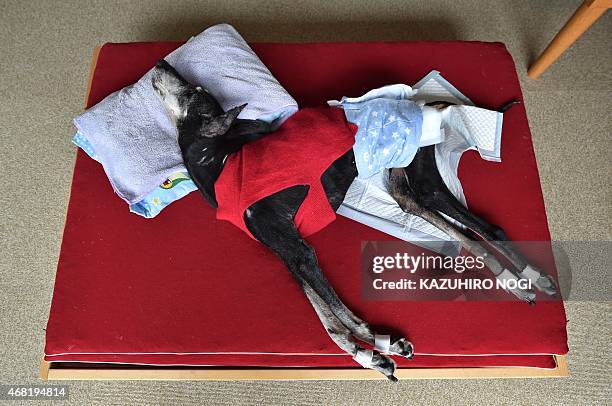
(169, 87)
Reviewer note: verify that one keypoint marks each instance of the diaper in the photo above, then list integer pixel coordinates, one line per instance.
(460, 128)
(388, 135)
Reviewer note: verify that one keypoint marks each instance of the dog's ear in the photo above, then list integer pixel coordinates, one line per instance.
(219, 125)
(173, 90)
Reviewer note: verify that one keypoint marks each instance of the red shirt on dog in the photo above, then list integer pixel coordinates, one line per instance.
(298, 153)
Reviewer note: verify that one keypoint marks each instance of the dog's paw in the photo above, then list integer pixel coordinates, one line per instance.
(517, 286)
(384, 365)
(402, 347)
(378, 362)
(542, 281)
(547, 285)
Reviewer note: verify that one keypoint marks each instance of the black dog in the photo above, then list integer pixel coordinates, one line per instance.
(207, 135)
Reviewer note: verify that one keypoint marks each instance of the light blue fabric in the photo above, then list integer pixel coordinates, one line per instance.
(175, 187)
(388, 134)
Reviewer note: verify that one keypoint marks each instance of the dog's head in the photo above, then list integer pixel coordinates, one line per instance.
(204, 129)
(195, 112)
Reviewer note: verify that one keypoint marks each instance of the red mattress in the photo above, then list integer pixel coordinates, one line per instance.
(186, 289)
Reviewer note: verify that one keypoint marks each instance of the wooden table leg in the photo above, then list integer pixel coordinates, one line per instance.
(44, 369)
(583, 18)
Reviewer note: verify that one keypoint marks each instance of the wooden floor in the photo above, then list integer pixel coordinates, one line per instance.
(62, 371)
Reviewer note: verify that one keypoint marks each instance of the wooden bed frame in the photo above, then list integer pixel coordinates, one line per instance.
(94, 371)
(85, 371)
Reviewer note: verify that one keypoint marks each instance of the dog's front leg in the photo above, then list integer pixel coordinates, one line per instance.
(270, 220)
(343, 337)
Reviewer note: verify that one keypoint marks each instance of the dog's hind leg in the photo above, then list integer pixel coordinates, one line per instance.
(409, 200)
(431, 192)
(270, 220)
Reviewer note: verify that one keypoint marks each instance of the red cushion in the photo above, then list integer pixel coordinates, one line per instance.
(177, 288)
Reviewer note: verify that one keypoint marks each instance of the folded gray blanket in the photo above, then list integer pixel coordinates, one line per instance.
(131, 132)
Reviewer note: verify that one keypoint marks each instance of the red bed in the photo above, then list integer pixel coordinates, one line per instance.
(186, 289)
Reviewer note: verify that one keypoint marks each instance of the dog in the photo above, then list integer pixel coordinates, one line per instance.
(207, 135)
